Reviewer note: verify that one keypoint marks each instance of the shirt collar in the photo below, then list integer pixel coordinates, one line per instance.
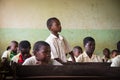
(85, 55)
(60, 37)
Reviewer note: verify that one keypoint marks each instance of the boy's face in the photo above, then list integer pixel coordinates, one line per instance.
(76, 52)
(114, 54)
(56, 27)
(25, 52)
(13, 47)
(106, 53)
(90, 47)
(43, 54)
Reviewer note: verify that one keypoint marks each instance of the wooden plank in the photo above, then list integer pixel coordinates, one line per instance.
(79, 69)
(88, 71)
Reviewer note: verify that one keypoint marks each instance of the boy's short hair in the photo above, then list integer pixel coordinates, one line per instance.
(24, 45)
(77, 47)
(50, 21)
(15, 42)
(38, 45)
(87, 39)
(114, 51)
(107, 50)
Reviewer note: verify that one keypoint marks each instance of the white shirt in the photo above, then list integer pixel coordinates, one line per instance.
(33, 61)
(110, 60)
(85, 58)
(70, 59)
(6, 54)
(30, 61)
(105, 59)
(16, 58)
(59, 47)
(116, 61)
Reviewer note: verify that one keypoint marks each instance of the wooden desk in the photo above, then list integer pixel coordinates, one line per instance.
(88, 71)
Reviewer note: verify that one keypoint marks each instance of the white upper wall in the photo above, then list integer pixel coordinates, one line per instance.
(82, 14)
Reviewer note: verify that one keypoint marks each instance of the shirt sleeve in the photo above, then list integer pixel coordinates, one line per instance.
(67, 46)
(53, 49)
(115, 62)
(5, 55)
(79, 58)
(26, 62)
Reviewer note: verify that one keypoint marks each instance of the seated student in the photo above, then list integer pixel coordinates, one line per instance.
(10, 51)
(41, 51)
(106, 53)
(24, 48)
(77, 50)
(88, 55)
(114, 53)
(59, 45)
(116, 60)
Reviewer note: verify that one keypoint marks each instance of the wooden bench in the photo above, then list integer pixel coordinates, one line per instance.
(88, 71)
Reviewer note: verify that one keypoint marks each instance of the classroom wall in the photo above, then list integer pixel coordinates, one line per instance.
(26, 20)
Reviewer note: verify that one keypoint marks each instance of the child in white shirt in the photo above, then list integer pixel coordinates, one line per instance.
(77, 50)
(59, 45)
(41, 51)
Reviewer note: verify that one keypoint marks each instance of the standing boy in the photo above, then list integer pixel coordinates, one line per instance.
(59, 46)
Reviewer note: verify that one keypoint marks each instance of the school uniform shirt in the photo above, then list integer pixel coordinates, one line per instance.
(105, 59)
(116, 61)
(12, 54)
(33, 61)
(110, 60)
(59, 48)
(30, 61)
(18, 58)
(70, 59)
(85, 58)
(6, 54)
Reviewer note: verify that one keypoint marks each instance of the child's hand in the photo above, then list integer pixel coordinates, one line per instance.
(71, 53)
(38, 63)
(69, 62)
(72, 56)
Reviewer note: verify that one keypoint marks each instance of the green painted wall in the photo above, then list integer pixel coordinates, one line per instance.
(104, 38)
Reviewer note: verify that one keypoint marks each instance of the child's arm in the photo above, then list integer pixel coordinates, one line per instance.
(72, 56)
(4, 60)
(4, 57)
(68, 50)
(59, 60)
